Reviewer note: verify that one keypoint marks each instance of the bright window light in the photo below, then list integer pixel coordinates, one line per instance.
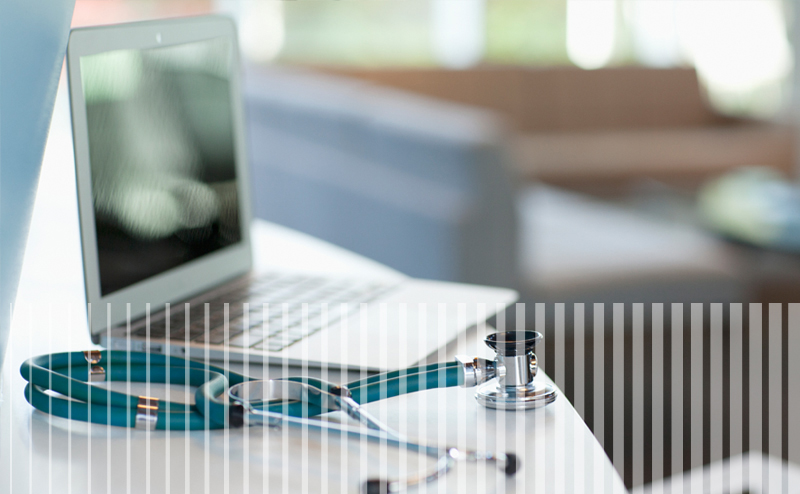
(458, 32)
(261, 27)
(591, 31)
(737, 47)
(654, 32)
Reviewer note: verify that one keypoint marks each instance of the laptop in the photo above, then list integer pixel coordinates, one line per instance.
(165, 214)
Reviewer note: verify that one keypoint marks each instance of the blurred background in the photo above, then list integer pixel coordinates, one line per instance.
(580, 151)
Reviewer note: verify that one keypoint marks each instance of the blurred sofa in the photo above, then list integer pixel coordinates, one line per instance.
(421, 185)
(605, 127)
(434, 187)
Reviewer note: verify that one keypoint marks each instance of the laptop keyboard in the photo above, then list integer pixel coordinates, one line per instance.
(271, 313)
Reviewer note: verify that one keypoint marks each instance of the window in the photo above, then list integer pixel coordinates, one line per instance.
(740, 49)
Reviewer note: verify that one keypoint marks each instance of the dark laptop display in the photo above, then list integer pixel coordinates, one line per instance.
(162, 157)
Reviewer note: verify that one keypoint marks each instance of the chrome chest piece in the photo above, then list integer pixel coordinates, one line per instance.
(506, 383)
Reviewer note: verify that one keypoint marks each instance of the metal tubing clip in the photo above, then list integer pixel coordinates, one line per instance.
(147, 413)
(96, 372)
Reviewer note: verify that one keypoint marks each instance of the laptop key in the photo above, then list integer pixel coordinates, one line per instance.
(198, 325)
(218, 336)
(272, 329)
(297, 333)
(196, 332)
(276, 342)
(255, 318)
(237, 324)
(246, 339)
(217, 317)
(178, 334)
(256, 304)
(156, 330)
(215, 337)
(273, 346)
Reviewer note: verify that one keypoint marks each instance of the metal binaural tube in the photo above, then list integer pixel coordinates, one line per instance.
(475, 370)
(514, 370)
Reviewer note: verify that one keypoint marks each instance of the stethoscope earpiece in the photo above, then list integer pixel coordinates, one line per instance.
(508, 463)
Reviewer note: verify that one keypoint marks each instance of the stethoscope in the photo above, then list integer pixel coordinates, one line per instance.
(227, 399)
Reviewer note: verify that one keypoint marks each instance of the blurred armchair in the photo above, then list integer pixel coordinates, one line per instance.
(418, 184)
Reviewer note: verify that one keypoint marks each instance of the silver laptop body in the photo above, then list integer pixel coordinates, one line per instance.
(164, 206)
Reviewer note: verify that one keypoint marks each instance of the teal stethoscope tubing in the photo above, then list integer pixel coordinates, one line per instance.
(67, 374)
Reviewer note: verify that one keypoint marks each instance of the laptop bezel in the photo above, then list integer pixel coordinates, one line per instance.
(196, 276)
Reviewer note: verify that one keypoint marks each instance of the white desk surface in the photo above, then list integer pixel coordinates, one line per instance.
(39, 453)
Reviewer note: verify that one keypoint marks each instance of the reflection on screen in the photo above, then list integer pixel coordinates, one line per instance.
(162, 157)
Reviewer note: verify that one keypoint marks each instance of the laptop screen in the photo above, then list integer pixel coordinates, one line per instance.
(163, 166)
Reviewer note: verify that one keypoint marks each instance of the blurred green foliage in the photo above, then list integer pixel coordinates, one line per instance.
(358, 32)
(397, 33)
(526, 32)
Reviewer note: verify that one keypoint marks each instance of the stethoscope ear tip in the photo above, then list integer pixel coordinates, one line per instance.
(376, 486)
(512, 464)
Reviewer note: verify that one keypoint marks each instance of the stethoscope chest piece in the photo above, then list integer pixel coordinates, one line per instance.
(507, 383)
(533, 395)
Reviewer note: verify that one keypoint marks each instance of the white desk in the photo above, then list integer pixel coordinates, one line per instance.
(39, 453)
